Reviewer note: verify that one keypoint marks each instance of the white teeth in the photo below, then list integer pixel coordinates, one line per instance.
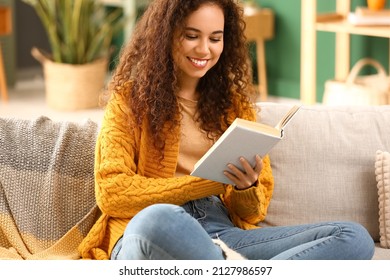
(200, 63)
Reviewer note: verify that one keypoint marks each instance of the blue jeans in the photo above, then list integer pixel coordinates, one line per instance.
(167, 232)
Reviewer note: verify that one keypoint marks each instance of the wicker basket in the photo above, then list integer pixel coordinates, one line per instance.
(371, 89)
(72, 87)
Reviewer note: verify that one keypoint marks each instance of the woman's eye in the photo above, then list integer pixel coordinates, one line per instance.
(191, 36)
(194, 37)
(215, 39)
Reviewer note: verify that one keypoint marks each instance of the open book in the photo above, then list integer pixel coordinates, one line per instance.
(242, 138)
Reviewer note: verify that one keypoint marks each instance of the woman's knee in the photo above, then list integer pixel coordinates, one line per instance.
(158, 210)
(152, 218)
(164, 231)
(361, 240)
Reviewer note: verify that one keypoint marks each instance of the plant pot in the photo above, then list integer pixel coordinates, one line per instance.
(376, 5)
(70, 87)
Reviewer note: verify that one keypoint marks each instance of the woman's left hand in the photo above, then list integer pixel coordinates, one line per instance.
(246, 178)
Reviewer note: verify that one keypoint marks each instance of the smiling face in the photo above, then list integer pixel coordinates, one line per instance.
(198, 49)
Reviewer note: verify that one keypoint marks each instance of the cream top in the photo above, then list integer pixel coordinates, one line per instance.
(193, 141)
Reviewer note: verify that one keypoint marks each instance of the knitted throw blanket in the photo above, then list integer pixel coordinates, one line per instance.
(47, 200)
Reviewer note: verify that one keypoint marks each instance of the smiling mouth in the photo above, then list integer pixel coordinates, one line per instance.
(198, 62)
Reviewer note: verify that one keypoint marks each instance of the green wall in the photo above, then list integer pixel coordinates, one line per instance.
(283, 51)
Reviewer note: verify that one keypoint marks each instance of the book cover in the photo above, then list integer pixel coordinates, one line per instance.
(368, 20)
(242, 138)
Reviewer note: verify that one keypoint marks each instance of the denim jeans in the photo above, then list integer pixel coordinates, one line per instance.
(165, 231)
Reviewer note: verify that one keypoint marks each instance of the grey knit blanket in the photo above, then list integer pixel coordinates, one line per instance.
(47, 201)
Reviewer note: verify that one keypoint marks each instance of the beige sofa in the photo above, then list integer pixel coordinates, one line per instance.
(324, 169)
(328, 167)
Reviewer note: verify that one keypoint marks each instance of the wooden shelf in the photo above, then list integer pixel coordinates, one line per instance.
(344, 26)
(336, 22)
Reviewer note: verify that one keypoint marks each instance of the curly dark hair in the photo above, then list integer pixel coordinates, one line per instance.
(146, 66)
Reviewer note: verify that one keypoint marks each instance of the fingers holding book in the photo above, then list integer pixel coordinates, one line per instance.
(246, 176)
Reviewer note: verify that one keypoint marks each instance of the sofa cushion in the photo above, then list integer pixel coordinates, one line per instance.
(324, 166)
(382, 172)
(47, 201)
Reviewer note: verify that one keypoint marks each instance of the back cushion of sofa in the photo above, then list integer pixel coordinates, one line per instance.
(324, 167)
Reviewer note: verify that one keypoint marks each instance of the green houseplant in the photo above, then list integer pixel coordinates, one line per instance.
(80, 34)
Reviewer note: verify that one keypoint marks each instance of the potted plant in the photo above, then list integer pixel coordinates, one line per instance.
(80, 34)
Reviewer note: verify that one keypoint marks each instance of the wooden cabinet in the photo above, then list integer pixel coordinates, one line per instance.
(259, 28)
(5, 29)
(336, 22)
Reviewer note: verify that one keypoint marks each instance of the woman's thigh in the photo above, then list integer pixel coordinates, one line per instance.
(164, 232)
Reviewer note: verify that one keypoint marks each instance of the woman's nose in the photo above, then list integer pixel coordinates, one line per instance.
(203, 47)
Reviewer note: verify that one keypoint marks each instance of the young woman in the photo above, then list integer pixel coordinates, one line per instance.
(181, 80)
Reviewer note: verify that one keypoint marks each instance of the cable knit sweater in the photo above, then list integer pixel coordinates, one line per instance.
(128, 178)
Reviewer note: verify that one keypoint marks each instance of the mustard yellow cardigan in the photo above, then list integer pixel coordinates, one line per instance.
(128, 178)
